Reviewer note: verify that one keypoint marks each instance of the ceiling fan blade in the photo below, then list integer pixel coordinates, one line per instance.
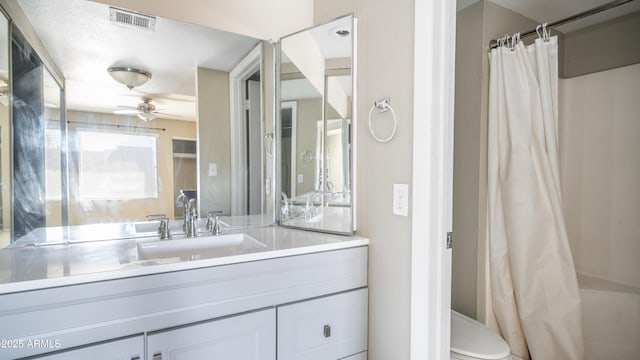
(160, 114)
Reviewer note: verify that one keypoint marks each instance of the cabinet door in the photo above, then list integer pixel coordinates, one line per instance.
(332, 327)
(250, 336)
(125, 349)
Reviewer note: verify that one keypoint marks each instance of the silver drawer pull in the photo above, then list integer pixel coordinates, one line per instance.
(157, 356)
(135, 358)
(327, 331)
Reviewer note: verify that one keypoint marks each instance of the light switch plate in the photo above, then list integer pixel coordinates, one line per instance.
(300, 178)
(401, 199)
(213, 169)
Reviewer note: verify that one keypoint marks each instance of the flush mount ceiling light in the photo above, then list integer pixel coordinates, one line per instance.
(341, 32)
(129, 77)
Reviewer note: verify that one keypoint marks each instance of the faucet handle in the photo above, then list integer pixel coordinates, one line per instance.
(213, 221)
(163, 229)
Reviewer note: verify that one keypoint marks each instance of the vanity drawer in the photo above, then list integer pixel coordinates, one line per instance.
(331, 327)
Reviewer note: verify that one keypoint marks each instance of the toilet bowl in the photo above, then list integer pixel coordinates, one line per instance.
(471, 340)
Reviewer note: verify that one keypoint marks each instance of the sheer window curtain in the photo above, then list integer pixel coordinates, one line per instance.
(534, 290)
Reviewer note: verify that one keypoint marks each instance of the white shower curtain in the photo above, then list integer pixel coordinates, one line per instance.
(534, 290)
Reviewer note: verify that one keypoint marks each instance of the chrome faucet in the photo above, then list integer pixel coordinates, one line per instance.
(309, 209)
(163, 229)
(286, 208)
(191, 212)
(213, 223)
(183, 200)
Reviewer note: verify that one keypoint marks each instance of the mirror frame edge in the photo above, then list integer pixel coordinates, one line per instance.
(353, 136)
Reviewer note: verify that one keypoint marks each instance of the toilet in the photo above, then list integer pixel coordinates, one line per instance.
(471, 340)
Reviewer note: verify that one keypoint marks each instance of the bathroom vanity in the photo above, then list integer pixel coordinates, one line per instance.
(84, 276)
(300, 295)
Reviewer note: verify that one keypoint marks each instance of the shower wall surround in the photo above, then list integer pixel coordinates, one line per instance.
(600, 171)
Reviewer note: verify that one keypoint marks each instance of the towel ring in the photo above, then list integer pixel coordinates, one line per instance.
(268, 143)
(383, 106)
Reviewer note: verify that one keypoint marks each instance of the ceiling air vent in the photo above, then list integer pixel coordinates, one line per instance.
(132, 19)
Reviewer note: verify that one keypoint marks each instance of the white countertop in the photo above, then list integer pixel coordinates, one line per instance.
(331, 219)
(39, 267)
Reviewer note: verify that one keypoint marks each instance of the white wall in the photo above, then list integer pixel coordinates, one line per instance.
(600, 171)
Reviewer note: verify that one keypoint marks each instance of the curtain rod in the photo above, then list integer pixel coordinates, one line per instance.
(117, 126)
(604, 7)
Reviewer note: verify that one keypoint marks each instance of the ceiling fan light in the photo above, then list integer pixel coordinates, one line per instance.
(147, 116)
(129, 77)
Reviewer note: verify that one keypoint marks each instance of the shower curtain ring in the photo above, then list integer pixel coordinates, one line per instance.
(545, 32)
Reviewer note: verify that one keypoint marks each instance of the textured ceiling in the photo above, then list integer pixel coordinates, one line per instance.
(83, 42)
(552, 10)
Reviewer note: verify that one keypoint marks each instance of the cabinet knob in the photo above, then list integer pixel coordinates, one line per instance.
(157, 356)
(327, 331)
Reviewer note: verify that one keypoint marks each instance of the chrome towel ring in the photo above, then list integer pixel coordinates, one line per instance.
(383, 106)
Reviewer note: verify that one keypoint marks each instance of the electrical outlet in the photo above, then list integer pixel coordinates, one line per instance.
(401, 199)
(300, 178)
(267, 186)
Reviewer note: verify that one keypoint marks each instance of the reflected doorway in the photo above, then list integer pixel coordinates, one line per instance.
(254, 144)
(185, 170)
(288, 112)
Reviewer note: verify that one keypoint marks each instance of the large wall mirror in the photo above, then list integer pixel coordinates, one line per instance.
(91, 150)
(316, 127)
(5, 134)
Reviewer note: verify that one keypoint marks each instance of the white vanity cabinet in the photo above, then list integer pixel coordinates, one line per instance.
(249, 336)
(124, 349)
(236, 311)
(327, 328)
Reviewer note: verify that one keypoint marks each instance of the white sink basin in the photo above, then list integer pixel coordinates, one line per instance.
(202, 247)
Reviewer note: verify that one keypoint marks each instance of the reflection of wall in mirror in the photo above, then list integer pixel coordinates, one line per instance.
(268, 122)
(335, 168)
(95, 211)
(5, 172)
(309, 112)
(214, 142)
(52, 163)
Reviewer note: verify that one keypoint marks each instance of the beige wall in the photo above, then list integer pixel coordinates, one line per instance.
(87, 212)
(257, 18)
(309, 113)
(466, 158)
(603, 46)
(268, 118)
(214, 140)
(600, 172)
(268, 114)
(385, 60)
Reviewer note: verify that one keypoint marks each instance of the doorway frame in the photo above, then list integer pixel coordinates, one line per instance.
(433, 100)
(248, 66)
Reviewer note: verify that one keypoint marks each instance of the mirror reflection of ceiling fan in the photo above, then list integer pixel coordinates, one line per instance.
(145, 110)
